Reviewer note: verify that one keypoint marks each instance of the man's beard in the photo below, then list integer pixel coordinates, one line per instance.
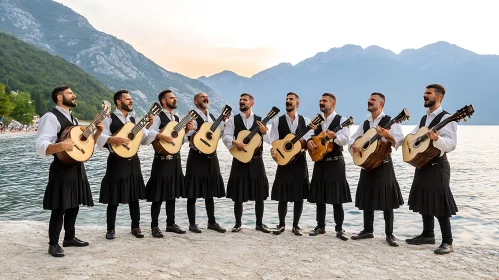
(204, 105)
(244, 108)
(325, 109)
(68, 102)
(289, 109)
(430, 103)
(125, 107)
(171, 106)
(372, 108)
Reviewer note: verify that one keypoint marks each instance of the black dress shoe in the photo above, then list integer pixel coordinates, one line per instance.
(342, 235)
(236, 228)
(317, 230)
(137, 232)
(110, 234)
(278, 230)
(363, 235)
(392, 241)
(420, 239)
(56, 251)
(74, 242)
(174, 228)
(194, 228)
(215, 226)
(156, 232)
(297, 231)
(263, 228)
(444, 249)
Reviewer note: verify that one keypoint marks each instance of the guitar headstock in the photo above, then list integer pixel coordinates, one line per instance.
(273, 112)
(318, 119)
(155, 109)
(106, 107)
(192, 115)
(403, 116)
(461, 114)
(226, 110)
(348, 122)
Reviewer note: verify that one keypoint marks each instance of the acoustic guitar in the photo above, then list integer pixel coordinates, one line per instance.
(175, 130)
(288, 149)
(418, 149)
(84, 144)
(372, 150)
(252, 139)
(206, 138)
(134, 133)
(323, 143)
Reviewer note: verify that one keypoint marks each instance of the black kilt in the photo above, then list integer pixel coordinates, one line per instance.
(430, 192)
(167, 179)
(329, 183)
(248, 181)
(67, 187)
(291, 182)
(202, 176)
(378, 189)
(123, 182)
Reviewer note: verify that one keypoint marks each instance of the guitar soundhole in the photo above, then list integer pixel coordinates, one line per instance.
(417, 143)
(174, 134)
(288, 146)
(83, 138)
(366, 145)
(209, 135)
(131, 136)
(246, 141)
(323, 142)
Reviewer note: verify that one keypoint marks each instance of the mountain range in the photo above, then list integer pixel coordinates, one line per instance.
(352, 73)
(61, 31)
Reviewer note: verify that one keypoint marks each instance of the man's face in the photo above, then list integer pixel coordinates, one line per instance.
(171, 100)
(430, 97)
(373, 103)
(202, 101)
(245, 103)
(68, 98)
(326, 103)
(126, 102)
(291, 103)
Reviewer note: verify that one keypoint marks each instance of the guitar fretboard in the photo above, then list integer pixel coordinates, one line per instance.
(93, 124)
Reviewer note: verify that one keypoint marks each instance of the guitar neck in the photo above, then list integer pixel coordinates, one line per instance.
(438, 126)
(300, 134)
(182, 123)
(216, 123)
(386, 126)
(141, 124)
(89, 130)
(256, 128)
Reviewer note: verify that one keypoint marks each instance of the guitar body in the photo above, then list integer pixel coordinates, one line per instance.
(205, 140)
(370, 156)
(285, 151)
(174, 147)
(82, 150)
(247, 154)
(323, 147)
(131, 149)
(418, 153)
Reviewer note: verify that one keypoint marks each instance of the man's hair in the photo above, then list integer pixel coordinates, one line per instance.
(162, 94)
(56, 91)
(248, 95)
(292, 93)
(438, 88)
(117, 95)
(329, 95)
(380, 95)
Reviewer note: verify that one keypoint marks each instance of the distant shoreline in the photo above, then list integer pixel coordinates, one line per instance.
(16, 133)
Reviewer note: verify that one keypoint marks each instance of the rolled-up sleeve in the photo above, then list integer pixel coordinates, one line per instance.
(48, 128)
(102, 140)
(343, 135)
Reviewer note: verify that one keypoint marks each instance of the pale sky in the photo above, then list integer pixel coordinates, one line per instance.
(203, 37)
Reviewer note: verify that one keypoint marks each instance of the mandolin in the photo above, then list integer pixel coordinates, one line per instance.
(287, 150)
(418, 149)
(372, 150)
(252, 139)
(83, 142)
(323, 143)
(175, 130)
(134, 133)
(206, 138)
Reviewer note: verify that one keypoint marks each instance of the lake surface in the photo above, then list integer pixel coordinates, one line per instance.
(474, 183)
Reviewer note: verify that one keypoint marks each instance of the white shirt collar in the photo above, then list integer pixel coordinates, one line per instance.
(287, 116)
(434, 113)
(330, 116)
(244, 116)
(370, 118)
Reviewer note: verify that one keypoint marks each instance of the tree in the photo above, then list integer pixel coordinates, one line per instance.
(24, 107)
(6, 105)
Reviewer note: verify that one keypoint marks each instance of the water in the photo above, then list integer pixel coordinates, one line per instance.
(474, 183)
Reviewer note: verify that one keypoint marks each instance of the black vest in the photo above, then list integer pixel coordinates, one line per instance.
(64, 122)
(200, 122)
(284, 129)
(239, 125)
(381, 123)
(434, 122)
(337, 149)
(165, 119)
(116, 124)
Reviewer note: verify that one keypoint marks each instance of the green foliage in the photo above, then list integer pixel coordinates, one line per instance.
(24, 107)
(26, 68)
(5, 105)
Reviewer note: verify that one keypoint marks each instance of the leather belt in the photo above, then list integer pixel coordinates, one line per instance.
(168, 157)
(333, 158)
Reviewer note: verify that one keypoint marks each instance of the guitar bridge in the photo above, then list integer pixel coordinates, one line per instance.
(126, 147)
(280, 153)
(206, 143)
(79, 149)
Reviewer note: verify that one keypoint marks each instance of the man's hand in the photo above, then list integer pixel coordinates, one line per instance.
(274, 156)
(330, 134)
(383, 132)
(163, 137)
(355, 149)
(263, 128)
(67, 145)
(115, 140)
(226, 117)
(189, 126)
(433, 135)
(100, 127)
(312, 126)
(151, 121)
(239, 145)
(311, 145)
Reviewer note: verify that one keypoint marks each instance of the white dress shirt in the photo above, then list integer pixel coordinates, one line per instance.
(447, 135)
(343, 135)
(154, 129)
(48, 127)
(293, 125)
(102, 140)
(206, 118)
(395, 131)
(228, 134)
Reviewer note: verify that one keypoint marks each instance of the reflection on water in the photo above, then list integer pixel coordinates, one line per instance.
(474, 177)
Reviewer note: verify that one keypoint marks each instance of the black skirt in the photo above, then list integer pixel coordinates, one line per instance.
(167, 179)
(202, 176)
(248, 181)
(329, 183)
(67, 187)
(430, 192)
(378, 189)
(123, 182)
(291, 182)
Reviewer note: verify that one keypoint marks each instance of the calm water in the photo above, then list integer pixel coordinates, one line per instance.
(474, 183)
